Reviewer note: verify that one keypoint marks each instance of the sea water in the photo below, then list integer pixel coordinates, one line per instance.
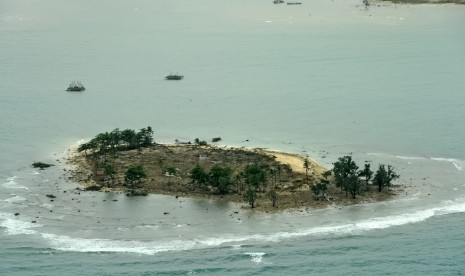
(325, 78)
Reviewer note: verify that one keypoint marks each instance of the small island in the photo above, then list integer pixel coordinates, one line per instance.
(174, 77)
(131, 162)
(75, 86)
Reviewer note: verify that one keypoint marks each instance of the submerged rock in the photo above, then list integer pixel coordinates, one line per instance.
(41, 165)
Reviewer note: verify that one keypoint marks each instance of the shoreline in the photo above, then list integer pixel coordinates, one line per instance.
(421, 2)
(290, 197)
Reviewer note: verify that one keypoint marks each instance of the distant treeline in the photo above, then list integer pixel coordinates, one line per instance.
(117, 140)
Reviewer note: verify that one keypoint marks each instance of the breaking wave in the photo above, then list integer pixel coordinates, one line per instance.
(458, 164)
(14, 226)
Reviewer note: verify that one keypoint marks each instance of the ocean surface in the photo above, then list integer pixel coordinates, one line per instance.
(325, 78)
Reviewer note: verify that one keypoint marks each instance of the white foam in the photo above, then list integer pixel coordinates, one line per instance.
(67, 243)
(12, 184)
(375, 154)
(145, 226)
(456, 162)
(257, 257)
(99, 245)
(371, 224)
(457, 166)
(47, 206)
(236, 246)
(15, 199)
(444, 159)
(409, 157)
(17, 227)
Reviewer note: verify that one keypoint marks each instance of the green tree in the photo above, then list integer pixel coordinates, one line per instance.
(353, 185)
(380, 178)
(128, 137)
(199, 176)
(110, 171)
(238, 180)
(367, 173)
(327, 174)
(114, 140)
(134, 176)
(146, 135)
(200, 143)
(254, 176)
(306, 167)
(391, 175)
(251, 196)
(345, 170)
(274, 175)
(316, 191)
(273, 196)
(91, 145)
(220, 178)
(319, 189)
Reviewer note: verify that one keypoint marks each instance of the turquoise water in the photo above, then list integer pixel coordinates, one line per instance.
(326, 78)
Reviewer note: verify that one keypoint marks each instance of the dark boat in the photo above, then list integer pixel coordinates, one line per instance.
(278, 1)
(294, 3)
(76, 86)
(174, 77)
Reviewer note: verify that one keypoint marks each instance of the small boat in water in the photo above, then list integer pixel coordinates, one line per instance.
(294, 3)
(174, 77)
(76, 86)
(278, 1)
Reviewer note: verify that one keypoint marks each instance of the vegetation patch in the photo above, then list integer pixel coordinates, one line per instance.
(134, 164)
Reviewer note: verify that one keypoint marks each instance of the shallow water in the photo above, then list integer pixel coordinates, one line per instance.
(324, 79)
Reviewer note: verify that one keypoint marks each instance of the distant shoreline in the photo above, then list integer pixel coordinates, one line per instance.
(293, 192)
(461, 2)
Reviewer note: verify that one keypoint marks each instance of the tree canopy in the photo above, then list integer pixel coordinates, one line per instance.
(383, 177)
(346, 176)
(218, 177)
(116, 140)
(134, 175)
